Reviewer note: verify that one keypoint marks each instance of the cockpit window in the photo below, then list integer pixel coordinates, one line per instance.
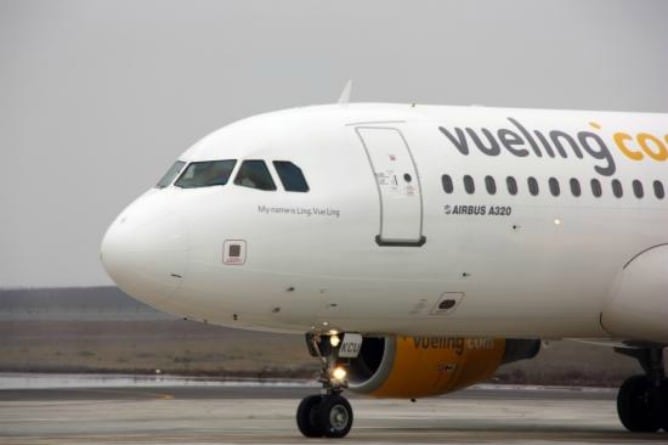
(255, 174)
(206, 174)
(291, 176)
(167, 179)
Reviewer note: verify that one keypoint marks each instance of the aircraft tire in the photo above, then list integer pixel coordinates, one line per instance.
(634, 405)
(335, 416)
(663, 415)
(307, 416)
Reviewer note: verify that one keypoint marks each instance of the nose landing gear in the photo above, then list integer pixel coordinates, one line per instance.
(327, 414)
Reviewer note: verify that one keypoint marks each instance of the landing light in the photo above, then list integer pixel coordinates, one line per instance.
(339, 374)
(334, 340)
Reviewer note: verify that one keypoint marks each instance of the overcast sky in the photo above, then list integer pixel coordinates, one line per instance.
(97, 98)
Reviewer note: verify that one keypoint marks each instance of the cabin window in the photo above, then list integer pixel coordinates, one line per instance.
(554, 186)
(575, 187)
(533, 185)
(173, 171)
(469, 185)
(637, 189)
(512, 185)
(617, 188)
(206, 174)
(446, 181)
(291, 176)
(490, 184)
(255, 174)
(659, 192)
(596, 189)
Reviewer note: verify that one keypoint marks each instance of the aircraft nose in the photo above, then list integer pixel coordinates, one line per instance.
(144, 251)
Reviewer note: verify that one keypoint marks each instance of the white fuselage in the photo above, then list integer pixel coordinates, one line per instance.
(379, 241)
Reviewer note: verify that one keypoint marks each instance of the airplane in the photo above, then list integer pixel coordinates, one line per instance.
(416, 247)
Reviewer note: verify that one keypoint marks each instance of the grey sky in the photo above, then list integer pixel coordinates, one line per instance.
(99, 97)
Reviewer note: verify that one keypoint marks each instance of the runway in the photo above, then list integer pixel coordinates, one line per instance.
(105, 410)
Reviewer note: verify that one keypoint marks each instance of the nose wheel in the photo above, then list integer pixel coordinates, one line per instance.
(327, 414)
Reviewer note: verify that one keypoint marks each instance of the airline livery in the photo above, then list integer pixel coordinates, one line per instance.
(416, 247)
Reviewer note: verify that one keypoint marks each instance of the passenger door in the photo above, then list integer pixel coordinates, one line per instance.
(398, 186)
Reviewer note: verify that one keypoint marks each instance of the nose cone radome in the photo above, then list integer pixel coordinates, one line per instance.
(144, 250)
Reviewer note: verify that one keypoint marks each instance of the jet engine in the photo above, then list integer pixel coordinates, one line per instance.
(412, 367)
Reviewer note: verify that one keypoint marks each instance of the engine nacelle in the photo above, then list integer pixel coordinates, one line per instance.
(411, 367)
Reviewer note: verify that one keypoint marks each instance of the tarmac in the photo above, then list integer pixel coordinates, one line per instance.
(43, 409)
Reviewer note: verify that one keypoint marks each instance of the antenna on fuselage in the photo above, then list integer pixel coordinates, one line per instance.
(344, 98)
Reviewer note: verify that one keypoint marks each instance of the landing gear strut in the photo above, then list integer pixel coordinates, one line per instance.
(642, 401)
(327, 414)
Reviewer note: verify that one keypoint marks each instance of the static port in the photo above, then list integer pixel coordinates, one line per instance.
(446, 304)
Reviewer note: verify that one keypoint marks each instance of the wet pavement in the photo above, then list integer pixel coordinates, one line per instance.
(84, 409)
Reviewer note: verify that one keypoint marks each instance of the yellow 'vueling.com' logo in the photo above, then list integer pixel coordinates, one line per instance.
(520, 142)
(641, 146)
